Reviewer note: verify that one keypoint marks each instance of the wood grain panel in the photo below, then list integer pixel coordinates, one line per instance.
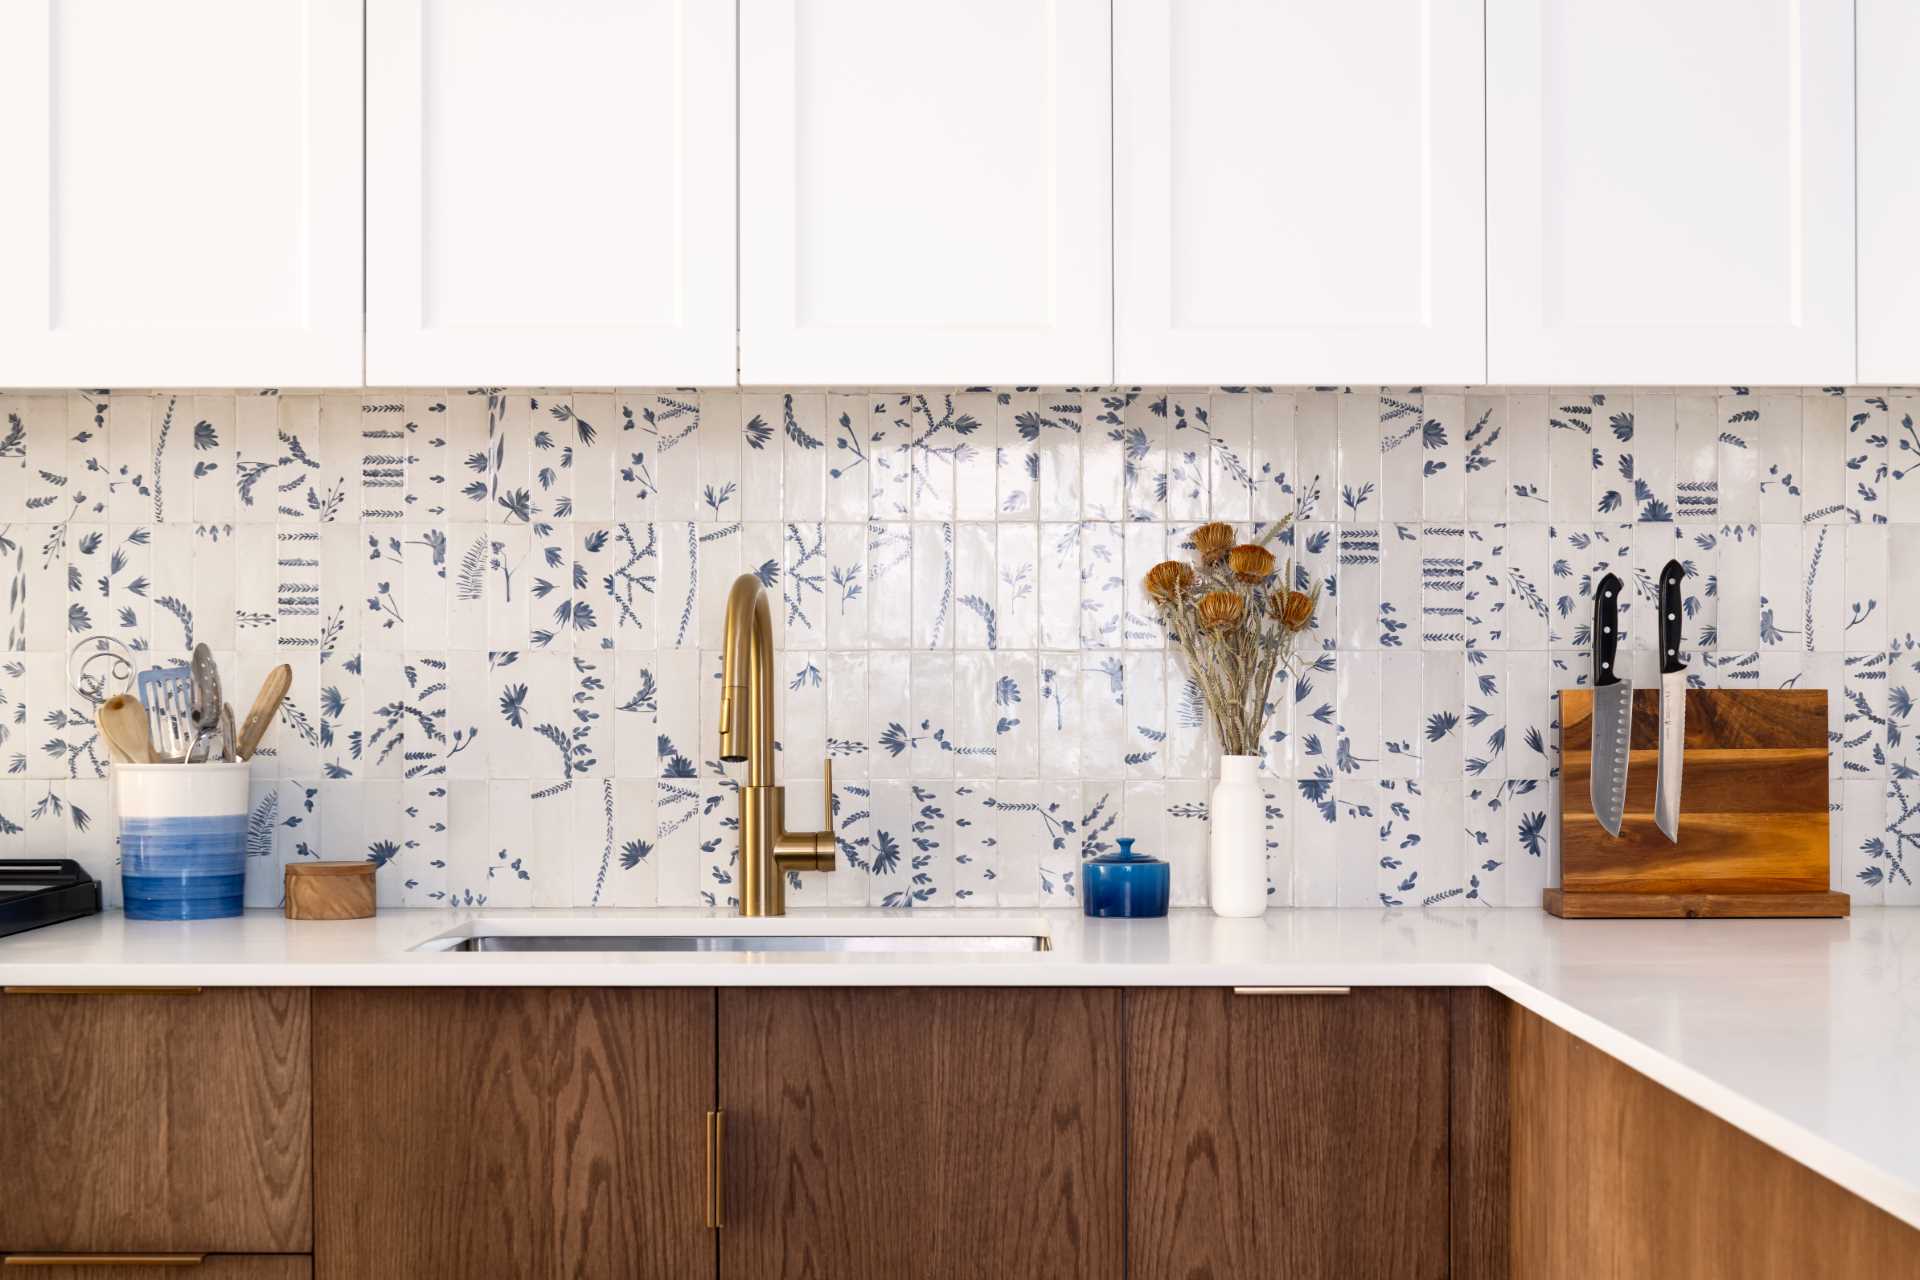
(938, 1134)
(156, 1123)
(1783, 718)
(1696, 906)
(1615, 1176)
(511, 1132)
(1300, 1136)
(260, 1266)
(1480, 1134)
(1753, 815)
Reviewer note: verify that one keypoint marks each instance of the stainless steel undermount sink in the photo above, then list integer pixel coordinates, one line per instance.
(933, 936)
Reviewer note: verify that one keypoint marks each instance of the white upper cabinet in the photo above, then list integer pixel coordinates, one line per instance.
(550, 193)
(180, 193)
(925, 192)
(1889, 124)
(1299, 194)
(1670, 191)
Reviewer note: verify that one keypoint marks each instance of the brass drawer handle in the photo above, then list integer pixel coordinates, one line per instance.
(106, 991)
(1293, 991)
(716, 1169)
(103, 1259)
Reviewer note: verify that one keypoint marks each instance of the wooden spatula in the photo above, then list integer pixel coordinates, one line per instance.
(265, 707)
(123, 724)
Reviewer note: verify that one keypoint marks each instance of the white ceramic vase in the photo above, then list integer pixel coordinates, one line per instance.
(1237, 840)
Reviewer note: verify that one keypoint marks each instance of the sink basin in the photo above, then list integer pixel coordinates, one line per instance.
(746, 942)
(788, 935)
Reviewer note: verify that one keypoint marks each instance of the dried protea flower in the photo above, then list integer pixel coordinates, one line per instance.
(1294, 609)
(1212, 540)
(1221, 609)
(1169, 580)
(1250, 563)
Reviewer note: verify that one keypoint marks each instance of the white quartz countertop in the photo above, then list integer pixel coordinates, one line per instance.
(1803, 1033)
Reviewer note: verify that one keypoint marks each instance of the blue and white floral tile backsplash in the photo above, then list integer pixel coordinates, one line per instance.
(502, 609)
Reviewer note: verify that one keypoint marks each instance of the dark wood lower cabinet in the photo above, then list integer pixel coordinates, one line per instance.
(155, 1122)
(1614, 1175)
(933, 1134)
(523, 1132)
(1287, 1135)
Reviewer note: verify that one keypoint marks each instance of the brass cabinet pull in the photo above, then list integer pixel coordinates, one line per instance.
(1293, 991)
(107, 991)
(716, 1169)
(102, 1259)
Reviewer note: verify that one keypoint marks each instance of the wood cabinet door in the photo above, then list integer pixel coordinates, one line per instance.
(1298, 192)
(156, 1122)
(551, 193)
(524, 1132)
(182, 193)
(1287, 1135)
(877, 1134)
(259, 1266)
(924, 193)
(1887, 110)
(1670, 193)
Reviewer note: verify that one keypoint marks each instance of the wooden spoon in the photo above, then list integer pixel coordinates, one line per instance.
(123, 723)
(265, 706)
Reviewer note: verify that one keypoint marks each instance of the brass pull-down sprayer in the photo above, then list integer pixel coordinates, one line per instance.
(767, 849)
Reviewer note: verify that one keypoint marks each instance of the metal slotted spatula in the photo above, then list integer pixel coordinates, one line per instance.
(167, 694)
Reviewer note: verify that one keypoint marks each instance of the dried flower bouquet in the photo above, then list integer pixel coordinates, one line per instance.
(1237, 622)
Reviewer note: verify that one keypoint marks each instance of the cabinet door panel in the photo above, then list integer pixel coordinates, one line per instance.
(925, 192)
(926, 1133)
(1264, 233)
(261, 1266)
(183, 193)
(1889, 114)
(513, 1132)
(1287, 1135)
(156, 1123)
(1670, 191)
(551, 194)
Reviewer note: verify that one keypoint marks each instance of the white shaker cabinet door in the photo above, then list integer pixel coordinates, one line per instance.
(180, 193)
(1299, 194)
(1889, 157)
(1670, 191)
(924, 192)
(550, 192)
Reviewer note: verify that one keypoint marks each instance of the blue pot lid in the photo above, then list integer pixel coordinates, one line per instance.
(1125, 854)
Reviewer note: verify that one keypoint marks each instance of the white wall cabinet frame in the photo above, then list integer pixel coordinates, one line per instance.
(1299, 192)
(1888, 119)
(1670, 192)
(550, 193)
(925, 192)
(181, 199)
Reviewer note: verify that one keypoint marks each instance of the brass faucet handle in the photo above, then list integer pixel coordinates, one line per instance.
(826, 814)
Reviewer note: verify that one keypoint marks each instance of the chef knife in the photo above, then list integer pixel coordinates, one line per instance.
(1673, 703)
(1612, 709)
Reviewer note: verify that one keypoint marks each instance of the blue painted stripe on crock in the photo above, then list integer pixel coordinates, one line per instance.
(183, 868)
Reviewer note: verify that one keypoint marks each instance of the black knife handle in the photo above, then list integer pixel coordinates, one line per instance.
(1670, 618)
(1606, 630)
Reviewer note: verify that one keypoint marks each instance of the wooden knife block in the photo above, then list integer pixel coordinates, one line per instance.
(1753, 811)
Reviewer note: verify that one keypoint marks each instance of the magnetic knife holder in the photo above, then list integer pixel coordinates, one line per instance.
(1753, 813)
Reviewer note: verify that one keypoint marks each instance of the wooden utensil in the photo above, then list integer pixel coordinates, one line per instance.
(123, 724)
(265, 706)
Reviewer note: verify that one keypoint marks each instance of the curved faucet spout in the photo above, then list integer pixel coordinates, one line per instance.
(768, 851)
(746, 681)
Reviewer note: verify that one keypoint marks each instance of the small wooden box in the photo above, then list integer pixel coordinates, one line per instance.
(1753, 811)
(329, 891)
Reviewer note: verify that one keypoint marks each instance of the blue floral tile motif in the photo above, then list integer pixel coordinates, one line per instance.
(501, 606)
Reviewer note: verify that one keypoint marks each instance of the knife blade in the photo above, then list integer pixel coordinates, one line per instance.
(1673, 703)
(1612, 710)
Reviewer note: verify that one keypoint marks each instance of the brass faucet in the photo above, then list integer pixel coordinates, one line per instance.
(767, 849)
